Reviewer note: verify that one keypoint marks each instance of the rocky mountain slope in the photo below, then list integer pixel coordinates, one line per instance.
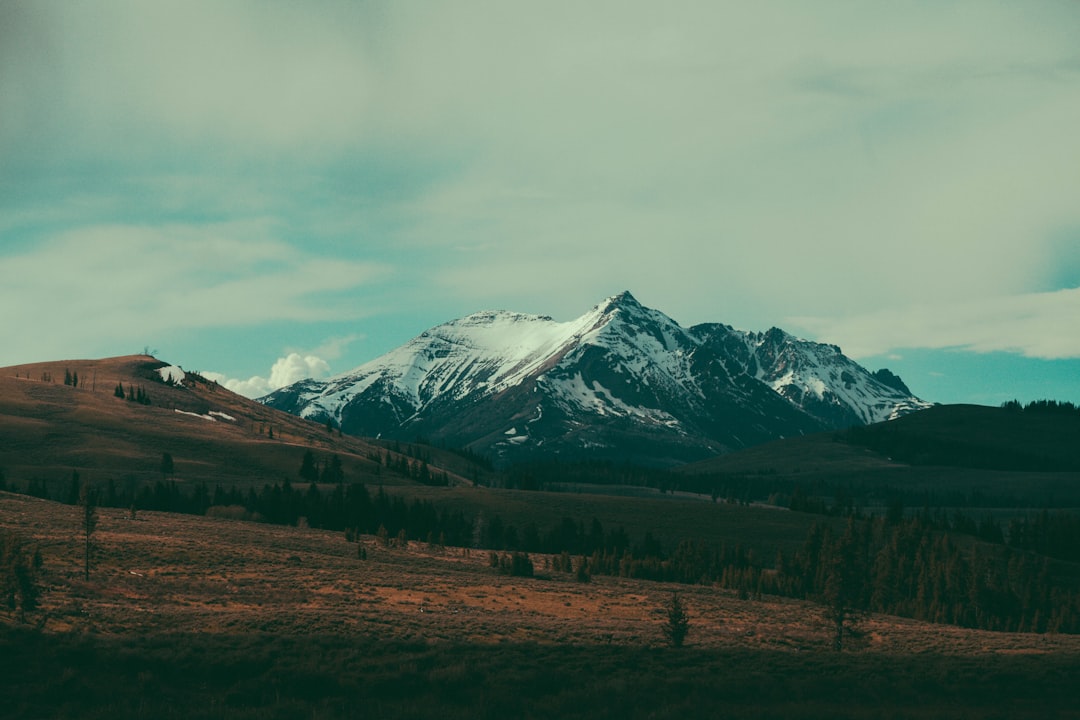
(622, 381)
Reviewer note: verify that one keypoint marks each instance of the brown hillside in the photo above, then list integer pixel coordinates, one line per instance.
(49, 429)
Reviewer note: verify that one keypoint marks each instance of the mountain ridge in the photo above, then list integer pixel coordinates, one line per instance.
(622, 380)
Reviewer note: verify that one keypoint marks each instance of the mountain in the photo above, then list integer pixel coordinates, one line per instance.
(622, 381)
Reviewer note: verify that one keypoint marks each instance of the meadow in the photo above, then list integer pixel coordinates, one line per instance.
(199, 617)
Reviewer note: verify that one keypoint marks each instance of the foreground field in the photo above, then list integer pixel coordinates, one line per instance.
(197, 617)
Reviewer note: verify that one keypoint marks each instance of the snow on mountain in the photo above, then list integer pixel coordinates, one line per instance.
(622, 380)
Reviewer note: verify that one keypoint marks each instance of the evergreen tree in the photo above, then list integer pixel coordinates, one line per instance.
(308, 470)
(18, 573)
(74, 489)
(119, 391)
(678, 624)
(167, 466)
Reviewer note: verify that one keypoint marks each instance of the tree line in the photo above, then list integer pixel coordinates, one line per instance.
(926, 567)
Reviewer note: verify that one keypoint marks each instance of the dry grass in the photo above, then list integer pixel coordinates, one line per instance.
(190, 617)
(50, 428)
(165, 573)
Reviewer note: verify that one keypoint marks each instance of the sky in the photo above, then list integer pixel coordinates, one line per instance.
(266, 191)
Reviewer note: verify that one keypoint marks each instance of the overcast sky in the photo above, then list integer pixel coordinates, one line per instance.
(269, 190)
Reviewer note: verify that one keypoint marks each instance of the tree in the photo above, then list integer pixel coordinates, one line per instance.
(678, 624)
(18, 573)
(74, 489)
(333, 472)
(119, 391)
(308, 470)
(167, 467)
(845, 566)
(88, 503)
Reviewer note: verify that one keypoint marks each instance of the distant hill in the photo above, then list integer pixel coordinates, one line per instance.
(947, 454)
(1040, 438)
(50, 428)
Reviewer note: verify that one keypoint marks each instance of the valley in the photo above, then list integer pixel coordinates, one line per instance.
(203, 617)
(277, 567)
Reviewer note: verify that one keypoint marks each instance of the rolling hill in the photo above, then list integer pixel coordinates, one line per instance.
(214, 436)
(945, 455)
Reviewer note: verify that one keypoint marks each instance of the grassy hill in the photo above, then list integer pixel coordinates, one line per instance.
(213, 435)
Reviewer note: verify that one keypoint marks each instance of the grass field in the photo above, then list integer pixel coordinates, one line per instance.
(199, 617)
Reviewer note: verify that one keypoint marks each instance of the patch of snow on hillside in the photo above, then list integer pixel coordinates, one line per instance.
(600, 400)
(204, 417)
(223, 416)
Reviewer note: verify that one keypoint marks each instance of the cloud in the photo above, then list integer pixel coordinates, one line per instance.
(242, 75)
(332, 348)
(1036, 325)
(725, 161)
(107, 287)
(695, 163)
(286, 371)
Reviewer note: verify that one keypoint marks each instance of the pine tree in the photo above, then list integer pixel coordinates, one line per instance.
(167, 466)
(678, 624)
(308, 470)
(119, 391)
(18, 573)
(74, 489)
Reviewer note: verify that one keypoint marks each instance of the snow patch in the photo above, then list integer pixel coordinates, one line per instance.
(204, 417)
(223, 416)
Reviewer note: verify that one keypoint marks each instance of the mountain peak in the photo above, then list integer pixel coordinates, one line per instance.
(622, 379)
(623, 300)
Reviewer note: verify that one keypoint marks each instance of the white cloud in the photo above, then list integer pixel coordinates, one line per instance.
(865, 165)
(1037, 325)
(332, 348)
(106, 288)
(286, 371)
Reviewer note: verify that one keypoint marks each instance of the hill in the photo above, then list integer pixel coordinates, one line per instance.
(948, 455)
(212, 435)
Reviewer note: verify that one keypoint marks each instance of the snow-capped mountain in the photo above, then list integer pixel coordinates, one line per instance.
(621, 381)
